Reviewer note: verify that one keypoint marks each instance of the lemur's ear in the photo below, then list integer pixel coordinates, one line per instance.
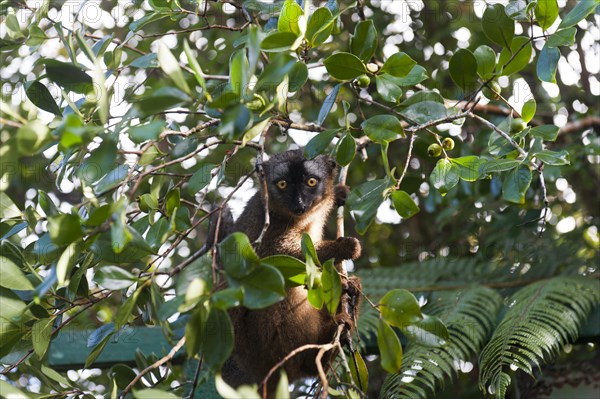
(327, 161)
(332, 163)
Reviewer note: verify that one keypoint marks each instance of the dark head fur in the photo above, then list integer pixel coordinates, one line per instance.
(291, 182)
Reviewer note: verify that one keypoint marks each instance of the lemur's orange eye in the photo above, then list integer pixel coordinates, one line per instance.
(282, 184)
(311, 182)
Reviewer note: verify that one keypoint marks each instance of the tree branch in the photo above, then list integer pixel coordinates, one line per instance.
(153, 366)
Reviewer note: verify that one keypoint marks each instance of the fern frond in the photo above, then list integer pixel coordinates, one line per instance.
(541, 319)
(469, 316)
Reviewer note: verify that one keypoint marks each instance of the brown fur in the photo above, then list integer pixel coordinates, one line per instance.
(264, 337)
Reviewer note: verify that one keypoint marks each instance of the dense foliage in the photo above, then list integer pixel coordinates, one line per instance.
(467, 131)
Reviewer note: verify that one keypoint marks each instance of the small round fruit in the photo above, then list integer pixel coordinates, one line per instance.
(492, 90)
(363, 81)
(434, 150)
(448, 144)
(517, 125)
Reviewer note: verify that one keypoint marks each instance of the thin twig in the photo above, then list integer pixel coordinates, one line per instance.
(340, 217)
(92, 302)
(153, 366)
(263, 181)
(322, 348)
(411, 143)
(196, 375)
(206, 27)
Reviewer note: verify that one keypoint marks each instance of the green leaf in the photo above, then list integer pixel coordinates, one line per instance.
(582, 9)
(201, 178)
(498, 165)
(364, 200)
(196, 69)
(153, 393)
(12, 25)
(237, 255)
(217, 338)
(40, 336)
(425, 111)
(293, 270)
(546, 12)
(319, 143)
(238, 72)
(172, 201)
(320, 25)
(64, 229)
(160, 231)
(398, 65)
(145, 62)
(112, 179)
(359, 371)
(184, 147)
(415, 76)
(66, 262)
(563, 37)
(12, 276)
(387, 88)
(170, 66)
(126, 309)
(344, 66)
(263, 287)
(345, 150)
(328, 104)
(113, 278)
(11, 307)
(235, 121)
(8, 209)
(279, 41)
(430, 332)
(404, 204)
(11, 392)
(463, 70)
(68, 76)
(364, 41)
(520, 61)
(528, 111)
(194, 330)
(97, 350)
(445, 176)
(497, 26)
(547, 64)
(255, 130)
(383, 128)
(553, 157)
(516, 183)
(298, 75)
(227, 298)
(545, 132)
(31, 137)
(149, 131)
(40, 96)
(283, 387)
(36, 36)
(486, 61)
(468, 167)
(290, 18)
(120, 234)
(308, 250)
(315, 296)
(160, 100)
(390, 349)
(332, 287)
(400, 308)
